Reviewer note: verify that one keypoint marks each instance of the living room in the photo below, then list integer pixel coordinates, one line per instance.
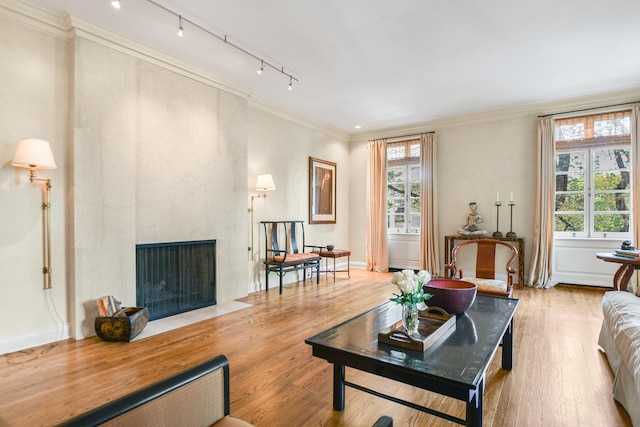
(150, 148)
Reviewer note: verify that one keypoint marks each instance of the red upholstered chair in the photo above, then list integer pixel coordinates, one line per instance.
(484, 276)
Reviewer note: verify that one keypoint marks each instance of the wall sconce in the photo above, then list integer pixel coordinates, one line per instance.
(35, 154)
(264, 183)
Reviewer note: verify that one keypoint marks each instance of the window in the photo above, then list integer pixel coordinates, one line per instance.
(593, 175)
(403, 187)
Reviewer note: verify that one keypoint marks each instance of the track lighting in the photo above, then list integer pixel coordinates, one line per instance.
(180, 27)
(116, 4)
(224, 39)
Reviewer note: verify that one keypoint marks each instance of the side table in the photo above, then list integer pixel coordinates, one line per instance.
(336, 253)
(624, 273)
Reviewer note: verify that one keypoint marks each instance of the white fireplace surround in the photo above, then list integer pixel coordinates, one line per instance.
(157, 157)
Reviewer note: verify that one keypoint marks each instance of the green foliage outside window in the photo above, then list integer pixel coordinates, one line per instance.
(403, 187)
(609, 198)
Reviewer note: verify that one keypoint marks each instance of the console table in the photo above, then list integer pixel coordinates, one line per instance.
(449, 243)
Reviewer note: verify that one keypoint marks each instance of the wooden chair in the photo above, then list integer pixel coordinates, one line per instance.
(485, 266)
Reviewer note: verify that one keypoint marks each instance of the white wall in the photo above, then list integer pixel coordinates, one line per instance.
(34, 71)
(282, 147)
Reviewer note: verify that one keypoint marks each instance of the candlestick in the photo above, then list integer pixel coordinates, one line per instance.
(497, 233)
(512, 196)
(497, 197)
(511, 233)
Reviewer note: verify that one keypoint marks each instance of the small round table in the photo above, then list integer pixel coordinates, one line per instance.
(624, 273)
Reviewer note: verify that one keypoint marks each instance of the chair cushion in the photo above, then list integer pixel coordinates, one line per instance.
(296, 258)
(488, 286)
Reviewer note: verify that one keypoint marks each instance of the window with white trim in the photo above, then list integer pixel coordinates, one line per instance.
(403, 187)
(593, 169)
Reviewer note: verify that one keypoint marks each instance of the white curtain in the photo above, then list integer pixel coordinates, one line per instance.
(429, 248)
(540, 274)
(377, 247)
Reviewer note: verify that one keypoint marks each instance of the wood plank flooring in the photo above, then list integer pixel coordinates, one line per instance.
(560, 377)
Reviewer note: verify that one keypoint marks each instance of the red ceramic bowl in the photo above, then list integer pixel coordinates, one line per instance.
(453, 296)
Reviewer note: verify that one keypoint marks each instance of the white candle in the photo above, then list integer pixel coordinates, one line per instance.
(512, 196)
(497, 197)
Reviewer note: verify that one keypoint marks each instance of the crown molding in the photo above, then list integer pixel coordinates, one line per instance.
(297, 117)
(35, 17)
(527, 110)
(89, 31)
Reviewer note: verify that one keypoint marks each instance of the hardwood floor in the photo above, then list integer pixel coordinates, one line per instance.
(559, 378)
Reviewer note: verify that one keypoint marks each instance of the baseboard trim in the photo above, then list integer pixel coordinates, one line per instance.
(35, 339)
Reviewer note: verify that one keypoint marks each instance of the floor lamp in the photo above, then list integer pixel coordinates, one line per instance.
(264, 183)
(35, 154)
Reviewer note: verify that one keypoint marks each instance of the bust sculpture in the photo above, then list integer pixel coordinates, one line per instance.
(470, 228)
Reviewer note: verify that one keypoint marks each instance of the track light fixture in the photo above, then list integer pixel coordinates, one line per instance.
(182, 20)
(116, 4)
(180, 27)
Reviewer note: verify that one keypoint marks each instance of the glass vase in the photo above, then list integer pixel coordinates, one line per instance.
(410, 318)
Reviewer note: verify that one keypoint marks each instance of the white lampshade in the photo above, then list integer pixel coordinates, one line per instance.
(35, 154)
(265, 183)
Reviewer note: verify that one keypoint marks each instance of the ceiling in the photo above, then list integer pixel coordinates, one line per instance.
(382, 63)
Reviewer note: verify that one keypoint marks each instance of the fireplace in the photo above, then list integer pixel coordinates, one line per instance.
(175, 277)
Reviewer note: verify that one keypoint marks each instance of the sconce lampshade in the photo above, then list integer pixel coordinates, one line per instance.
(34, 153)
(265, 183)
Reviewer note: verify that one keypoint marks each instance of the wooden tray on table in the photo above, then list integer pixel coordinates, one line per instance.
(434, 324)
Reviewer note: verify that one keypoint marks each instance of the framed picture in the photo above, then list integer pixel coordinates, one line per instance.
(322, 191)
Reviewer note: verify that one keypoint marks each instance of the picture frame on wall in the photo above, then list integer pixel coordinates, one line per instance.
(322, 191)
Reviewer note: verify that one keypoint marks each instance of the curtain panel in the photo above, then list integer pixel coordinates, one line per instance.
(429, 238)
(377, 246)
(541, 263)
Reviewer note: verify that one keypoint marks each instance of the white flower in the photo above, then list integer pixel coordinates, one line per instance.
(423, 277)
(410, 285)
(406, 281)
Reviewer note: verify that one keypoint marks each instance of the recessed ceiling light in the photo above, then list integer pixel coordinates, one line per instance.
(358, 127)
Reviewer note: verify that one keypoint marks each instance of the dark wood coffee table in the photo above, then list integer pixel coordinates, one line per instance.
(456, 367)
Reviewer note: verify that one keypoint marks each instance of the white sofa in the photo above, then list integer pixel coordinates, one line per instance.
(620, 340)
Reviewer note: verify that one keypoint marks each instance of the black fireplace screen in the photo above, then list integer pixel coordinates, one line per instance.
(175, 277)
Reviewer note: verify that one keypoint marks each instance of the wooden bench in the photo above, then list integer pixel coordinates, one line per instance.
(282, 253)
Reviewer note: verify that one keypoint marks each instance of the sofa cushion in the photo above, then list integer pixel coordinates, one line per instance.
(622, 309)
(621, 312)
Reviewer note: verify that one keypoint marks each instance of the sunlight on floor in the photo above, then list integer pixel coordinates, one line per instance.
(183, 319)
